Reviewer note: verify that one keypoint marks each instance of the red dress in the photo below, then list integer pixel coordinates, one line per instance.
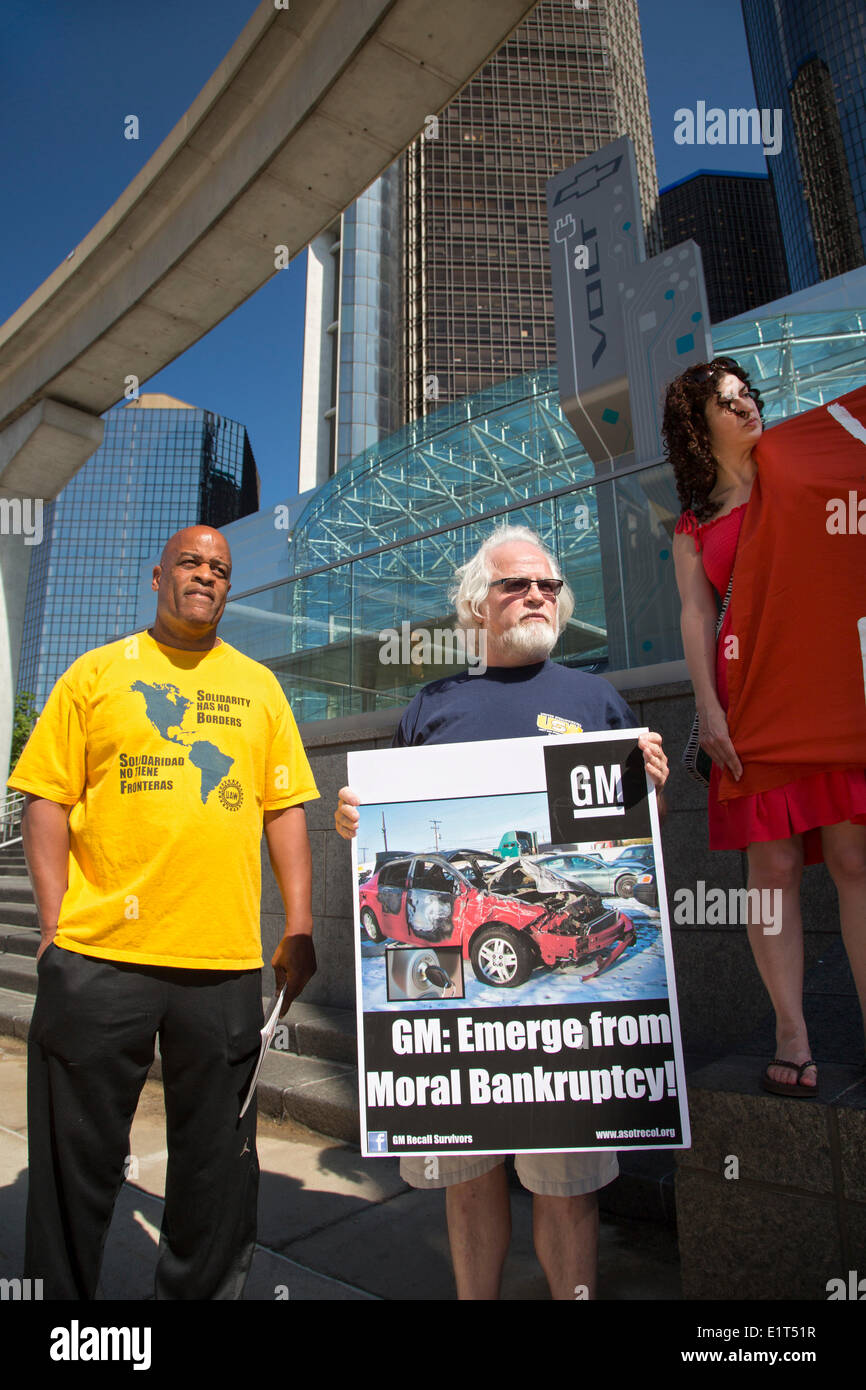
(800, 807)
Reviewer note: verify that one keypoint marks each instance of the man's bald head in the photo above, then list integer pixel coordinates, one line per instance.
(187, 539)
(192, 582)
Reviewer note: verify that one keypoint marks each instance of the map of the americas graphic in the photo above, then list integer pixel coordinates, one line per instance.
(166, 709)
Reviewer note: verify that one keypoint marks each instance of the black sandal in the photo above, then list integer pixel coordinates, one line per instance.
(788, 1088)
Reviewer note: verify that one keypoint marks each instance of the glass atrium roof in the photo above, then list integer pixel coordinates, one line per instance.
(511, 442)
(375, 549)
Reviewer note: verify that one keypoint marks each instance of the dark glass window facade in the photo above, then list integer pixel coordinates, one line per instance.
(157, 470)
(809, 61)
(732, 217)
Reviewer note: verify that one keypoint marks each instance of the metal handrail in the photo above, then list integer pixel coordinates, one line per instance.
(11, 808)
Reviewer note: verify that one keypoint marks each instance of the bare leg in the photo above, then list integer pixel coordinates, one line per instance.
(845, 854)
(479, 1229)
(566, 1242)
(778, 865)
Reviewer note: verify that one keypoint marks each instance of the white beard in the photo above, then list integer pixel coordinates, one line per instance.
(532, 640)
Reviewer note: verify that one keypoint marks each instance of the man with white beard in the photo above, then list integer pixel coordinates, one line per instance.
(513, 590)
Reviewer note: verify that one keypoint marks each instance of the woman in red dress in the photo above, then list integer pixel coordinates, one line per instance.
(712, 422)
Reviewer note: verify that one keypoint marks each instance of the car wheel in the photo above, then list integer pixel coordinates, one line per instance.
(408, 969)
(624, 886)
(501, 956)
(370, 925)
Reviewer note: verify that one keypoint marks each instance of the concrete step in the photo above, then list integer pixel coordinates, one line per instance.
(17, 914)
(794, 1218)
(319, 1094)
(16, 889)
(19, 941)
(18, 973)
(315, 1031)
(10, 867)
(15, 1012)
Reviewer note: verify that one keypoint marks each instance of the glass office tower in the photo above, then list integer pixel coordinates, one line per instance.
(369, 377)
(477, 275)
(732, 217)
(162, 465)
(351, 393)
(809, 61)
(435, 284)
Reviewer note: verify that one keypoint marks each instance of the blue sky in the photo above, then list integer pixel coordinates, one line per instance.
(70, 73)
(463, 823)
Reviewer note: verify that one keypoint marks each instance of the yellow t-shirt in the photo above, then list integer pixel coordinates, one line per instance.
(169, 759)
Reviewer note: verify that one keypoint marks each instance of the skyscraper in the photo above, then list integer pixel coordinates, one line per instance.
(162, 465)
(809, 61)
(733, 219)
(353, 332)
(470, 302)
(477, 278)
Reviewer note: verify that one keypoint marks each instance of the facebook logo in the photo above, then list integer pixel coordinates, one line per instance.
(377, 1140)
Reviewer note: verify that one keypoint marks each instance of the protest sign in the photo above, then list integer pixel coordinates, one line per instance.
(513, 958)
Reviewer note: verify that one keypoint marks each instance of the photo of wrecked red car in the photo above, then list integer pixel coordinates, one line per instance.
(509, 917)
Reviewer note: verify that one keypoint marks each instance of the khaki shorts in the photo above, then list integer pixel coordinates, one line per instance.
(549, 1175)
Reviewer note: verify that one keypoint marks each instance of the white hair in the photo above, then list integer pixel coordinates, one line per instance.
(471, 583)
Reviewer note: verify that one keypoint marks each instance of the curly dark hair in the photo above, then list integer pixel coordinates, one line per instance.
(686, 433)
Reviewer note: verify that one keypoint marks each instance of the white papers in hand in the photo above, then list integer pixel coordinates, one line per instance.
(272, 1018)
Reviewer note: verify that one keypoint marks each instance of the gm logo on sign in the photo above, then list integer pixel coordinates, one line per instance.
(597, 791)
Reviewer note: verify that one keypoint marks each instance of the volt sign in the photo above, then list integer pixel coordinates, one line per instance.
(596, 234)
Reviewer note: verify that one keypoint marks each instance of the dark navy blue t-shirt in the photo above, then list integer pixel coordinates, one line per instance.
(513, 702)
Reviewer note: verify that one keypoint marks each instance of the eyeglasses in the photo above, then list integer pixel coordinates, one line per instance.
(548, 588)
(704, 370)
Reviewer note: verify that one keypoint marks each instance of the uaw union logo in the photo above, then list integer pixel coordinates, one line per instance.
(231, 794)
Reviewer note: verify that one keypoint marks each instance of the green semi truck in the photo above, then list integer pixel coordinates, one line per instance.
(517, 842)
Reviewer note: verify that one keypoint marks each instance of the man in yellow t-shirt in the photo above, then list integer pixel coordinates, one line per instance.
(148, 778)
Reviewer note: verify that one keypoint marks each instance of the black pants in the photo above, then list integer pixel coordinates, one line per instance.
(90, 1047)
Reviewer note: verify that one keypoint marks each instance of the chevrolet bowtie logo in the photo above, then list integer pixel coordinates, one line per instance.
(588, 180)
